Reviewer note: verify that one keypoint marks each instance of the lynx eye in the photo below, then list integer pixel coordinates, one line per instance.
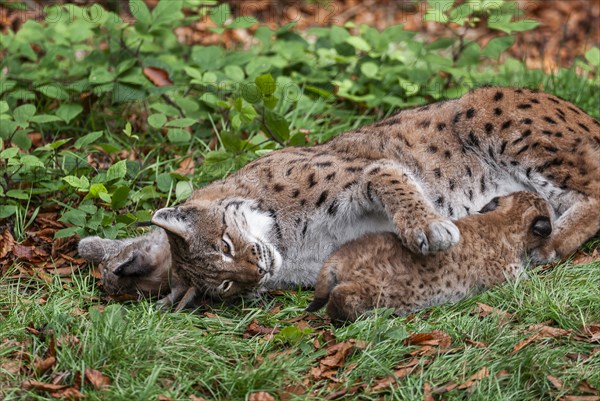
(226, 248)
(226, 285)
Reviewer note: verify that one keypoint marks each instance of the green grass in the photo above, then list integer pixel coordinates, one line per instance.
(147, 353)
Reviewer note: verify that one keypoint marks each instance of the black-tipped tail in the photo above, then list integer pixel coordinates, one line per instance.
(316, 304)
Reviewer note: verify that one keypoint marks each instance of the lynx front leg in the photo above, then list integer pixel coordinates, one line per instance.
(418, 225)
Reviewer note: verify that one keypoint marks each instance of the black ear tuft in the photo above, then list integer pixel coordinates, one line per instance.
(491, 206)
(542, 227)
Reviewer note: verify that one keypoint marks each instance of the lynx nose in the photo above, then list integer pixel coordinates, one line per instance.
(542, 226)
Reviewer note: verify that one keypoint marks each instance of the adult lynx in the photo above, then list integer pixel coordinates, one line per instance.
(273, 223)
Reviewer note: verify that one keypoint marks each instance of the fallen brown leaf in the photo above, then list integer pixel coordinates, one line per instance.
(585, 259)
(186, 167)
(435, 338)
(288, 392)
(579, 398)
(34, 384)
(399, 373)
(474, 343)
(589, 333)
(23, 252)
(42, 365)
(479, 375)
(254, 329)
(337, 354)
(555, 382)
(541, 331)
(99, 380)
(196, 398)
(261, 396)
(69, 393)
(344, 392)
(484, 310)
(157, 76)
(585, 387)
(164, 398)
(7, 244)
(427, 395)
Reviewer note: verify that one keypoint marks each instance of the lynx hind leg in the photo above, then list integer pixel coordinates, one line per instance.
(347, 302)
(326, 281)
(578, 224)
(419, 226)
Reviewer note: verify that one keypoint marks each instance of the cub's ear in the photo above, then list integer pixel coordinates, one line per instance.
(138, 264)
(174, 220)
(542, 227)
(491, 206)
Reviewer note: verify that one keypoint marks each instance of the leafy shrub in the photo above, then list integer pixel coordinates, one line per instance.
(109, 119)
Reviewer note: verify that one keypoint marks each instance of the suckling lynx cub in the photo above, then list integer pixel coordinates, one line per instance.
(277, 220)
(377, 271)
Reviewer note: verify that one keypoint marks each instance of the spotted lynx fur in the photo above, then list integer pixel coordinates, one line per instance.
(377, 271)
(273, 223)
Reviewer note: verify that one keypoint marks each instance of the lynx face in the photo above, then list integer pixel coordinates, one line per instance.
(527, 210)
(222, 248)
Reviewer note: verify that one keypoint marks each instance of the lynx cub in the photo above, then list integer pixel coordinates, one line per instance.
(377, 271)
(274, 222)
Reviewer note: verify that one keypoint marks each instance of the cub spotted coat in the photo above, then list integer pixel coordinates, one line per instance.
(377, 271)
(273, 223)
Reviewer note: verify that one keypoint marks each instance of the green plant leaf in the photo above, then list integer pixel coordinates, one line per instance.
(183, 190)
(220, 14)
(44, 118)
(266, 84)
(164, 182)
(80, 183)
(369, 69)
(251, 93)
(181, 123)
(177, 135)
(120, 197)
(3, 106)
(66, 232)
(96, 189)
(69, 111)
(9, 153)
(234, 72)
(53, 92)
(157, 120)
(593, 56)
(24, 113)
(359, 43)
(166, 12)
(243, 22)
(117, 170)
(497, 46)
(22, 140)
(31, 161)
(277, 125)
(88, 139)
(141, 12)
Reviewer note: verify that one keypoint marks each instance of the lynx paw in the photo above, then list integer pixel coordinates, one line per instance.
(439, 235)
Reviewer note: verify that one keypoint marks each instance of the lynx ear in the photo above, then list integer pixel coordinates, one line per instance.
(491, 206)
(174, 220)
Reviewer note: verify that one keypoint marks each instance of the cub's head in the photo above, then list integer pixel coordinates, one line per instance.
(527, 212)
(223, 247)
